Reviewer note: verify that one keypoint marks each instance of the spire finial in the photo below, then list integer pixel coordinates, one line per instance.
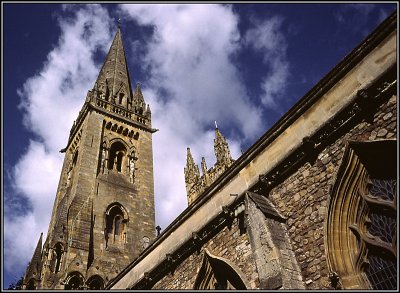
(216, 126)
(119, 22)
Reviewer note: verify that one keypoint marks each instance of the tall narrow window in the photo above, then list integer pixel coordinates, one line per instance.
(116, 156)
(58, 250)
(115, 224)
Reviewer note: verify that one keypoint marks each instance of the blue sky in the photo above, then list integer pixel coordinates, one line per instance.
(243, 65)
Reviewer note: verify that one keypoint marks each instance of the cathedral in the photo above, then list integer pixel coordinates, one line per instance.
(312, 204)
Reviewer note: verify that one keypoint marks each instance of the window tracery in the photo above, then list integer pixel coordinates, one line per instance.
(116, 220)
(361, 226)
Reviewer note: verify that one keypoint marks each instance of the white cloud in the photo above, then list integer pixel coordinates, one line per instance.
(266, 37)
(51, 101)
(189, 59)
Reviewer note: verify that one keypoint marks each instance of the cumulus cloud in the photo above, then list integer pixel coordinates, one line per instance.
(192, 83)
(51, 101)
(188, 57)
(266, 37)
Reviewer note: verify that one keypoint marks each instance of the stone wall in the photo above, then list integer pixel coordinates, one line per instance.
(229, 244)
(303, 197)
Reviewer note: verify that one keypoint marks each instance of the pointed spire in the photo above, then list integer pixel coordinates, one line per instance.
(34, 267)
(113, 82)
(221, 149)
(192, 173)
(138, 96)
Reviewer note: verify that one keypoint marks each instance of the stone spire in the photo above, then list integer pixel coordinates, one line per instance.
(138, 100)
(33, 270)
(221, 149)
(113, 83)
(192, 173)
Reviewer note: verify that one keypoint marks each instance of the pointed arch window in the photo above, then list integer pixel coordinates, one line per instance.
(361, 225)
(116, 220)
(218, 273)
(57, 257)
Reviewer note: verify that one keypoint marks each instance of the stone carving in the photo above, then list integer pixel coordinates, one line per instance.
(195, 184)
(132, 168)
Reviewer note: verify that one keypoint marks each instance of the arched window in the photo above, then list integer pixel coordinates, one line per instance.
(95, 283)
(121, 98)
(31, 285)
(217, 273)
(361, 224)
(116, 156)
(57, 257)
(74, 281)
(115, 224)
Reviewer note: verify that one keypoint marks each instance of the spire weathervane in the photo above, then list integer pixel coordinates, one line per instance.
(119, 22)
(216, 126)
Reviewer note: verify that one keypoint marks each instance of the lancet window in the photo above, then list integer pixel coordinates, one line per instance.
(116, 220)
(57, 258)
(117, 157)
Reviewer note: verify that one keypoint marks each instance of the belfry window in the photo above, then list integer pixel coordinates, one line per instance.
(117, 157)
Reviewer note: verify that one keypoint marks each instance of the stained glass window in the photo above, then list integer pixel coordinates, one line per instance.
(381, 269)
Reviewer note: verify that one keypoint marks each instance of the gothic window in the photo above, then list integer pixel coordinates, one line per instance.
(57, 258)
(121, 99)
(95, 283)
(31, 285)
(117, 155)
(361, 226)
(74, 281)
(115, 224)
(217, 273)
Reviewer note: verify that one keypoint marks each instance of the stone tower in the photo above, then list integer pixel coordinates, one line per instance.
(103, 214)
